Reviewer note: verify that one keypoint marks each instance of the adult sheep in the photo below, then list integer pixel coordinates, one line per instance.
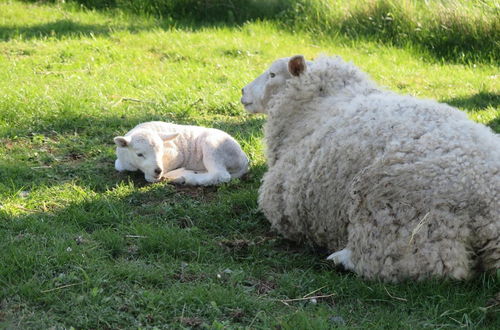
(401, 188)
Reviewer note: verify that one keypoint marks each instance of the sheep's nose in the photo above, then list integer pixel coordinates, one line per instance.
(158, 171)
(242, 91)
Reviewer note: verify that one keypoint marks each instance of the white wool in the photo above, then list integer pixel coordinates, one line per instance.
(405, 187)
(191, 155)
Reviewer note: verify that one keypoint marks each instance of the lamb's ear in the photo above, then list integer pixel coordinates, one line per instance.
(122, 141)
(168, 137)
(297, 65)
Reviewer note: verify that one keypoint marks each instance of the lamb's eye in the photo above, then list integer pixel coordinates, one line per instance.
(272, 74)
(140, 155)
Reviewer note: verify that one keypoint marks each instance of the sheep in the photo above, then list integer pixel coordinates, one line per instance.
(190, 155)
(399, 188)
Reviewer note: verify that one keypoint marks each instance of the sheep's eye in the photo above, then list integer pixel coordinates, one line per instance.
(140, 155)
(272, 75)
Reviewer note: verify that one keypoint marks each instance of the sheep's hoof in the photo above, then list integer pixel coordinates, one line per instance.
(342, 258)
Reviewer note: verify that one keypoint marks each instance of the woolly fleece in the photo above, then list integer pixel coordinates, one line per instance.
(410, 186)
(191, 155)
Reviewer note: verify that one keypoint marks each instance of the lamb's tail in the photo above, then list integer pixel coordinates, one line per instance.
(242, 169)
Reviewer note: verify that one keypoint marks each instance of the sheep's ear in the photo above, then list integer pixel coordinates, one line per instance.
(168, 137)
(122, 141)
(297, 65)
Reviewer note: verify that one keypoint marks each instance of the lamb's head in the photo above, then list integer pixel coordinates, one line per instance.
(142, 150)
(257, 95)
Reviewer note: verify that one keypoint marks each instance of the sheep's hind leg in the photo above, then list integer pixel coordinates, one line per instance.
(342, 257)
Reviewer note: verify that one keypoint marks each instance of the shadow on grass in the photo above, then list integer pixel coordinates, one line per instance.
(443, 37)
(79, 148)
(161, 225)
(155, 239)
(495, 125)
(59, 29)
(453, 45)
(66, 28)
(476, 102)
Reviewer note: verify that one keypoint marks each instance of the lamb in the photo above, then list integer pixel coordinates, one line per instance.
(401, 188)
(190, 155)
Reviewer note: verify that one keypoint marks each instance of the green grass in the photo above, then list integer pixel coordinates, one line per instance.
(86, 247)
(450, 30)
(462, 31)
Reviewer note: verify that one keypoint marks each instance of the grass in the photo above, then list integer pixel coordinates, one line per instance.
(449, 30)
(85, 247)
(462, 31)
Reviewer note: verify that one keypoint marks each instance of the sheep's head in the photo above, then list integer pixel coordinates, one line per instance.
(142, 150)
(257, 94)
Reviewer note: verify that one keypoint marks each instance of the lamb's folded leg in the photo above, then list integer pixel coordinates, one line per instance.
(216, 171)
(342, 257)
(178, 175)
(207, 178)
(196, 178)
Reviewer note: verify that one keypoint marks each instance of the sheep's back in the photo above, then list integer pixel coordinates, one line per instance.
(305, 193)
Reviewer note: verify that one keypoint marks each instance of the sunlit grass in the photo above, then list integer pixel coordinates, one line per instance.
(87, 247)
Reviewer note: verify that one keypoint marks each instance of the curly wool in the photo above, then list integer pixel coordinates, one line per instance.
(410, 186)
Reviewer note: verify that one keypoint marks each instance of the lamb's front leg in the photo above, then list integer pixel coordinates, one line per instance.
(178, 175)
(206, 178)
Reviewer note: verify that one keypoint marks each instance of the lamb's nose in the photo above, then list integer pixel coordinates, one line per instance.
(242, 91)
(158, 171)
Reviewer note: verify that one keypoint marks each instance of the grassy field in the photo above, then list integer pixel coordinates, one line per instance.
(86, 247)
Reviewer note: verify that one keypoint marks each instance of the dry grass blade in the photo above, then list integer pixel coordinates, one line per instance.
(418, 227)
(135, 236)
(285, 301)
(394, 297)
(61, 287)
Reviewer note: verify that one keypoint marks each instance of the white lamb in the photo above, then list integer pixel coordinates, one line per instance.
(189, 155)
(404, 188)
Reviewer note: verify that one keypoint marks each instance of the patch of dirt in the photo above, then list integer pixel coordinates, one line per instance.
(261, 286)
(185, 222)
(238, 209)
(187, 277)
(8, 144)
(75, 156)
(237, 315)
(2, 314)
(236, 245)
(190, 321)
(198, 192)
(265, 286)
(241, 244)
(80, 240)
(494, 301)
(132, 249)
